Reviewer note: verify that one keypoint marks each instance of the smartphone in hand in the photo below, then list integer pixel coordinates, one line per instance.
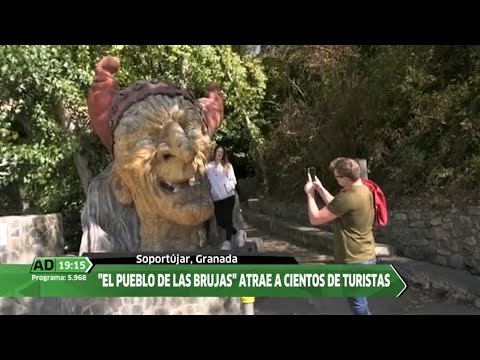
(312, 172)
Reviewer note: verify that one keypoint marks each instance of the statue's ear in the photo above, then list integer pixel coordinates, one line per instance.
(121, 191)
(211, 106)
(101, 95)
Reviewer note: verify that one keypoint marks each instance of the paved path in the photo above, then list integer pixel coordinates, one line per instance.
(412, 302)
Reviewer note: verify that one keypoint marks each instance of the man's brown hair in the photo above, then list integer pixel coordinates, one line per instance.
(346, 167)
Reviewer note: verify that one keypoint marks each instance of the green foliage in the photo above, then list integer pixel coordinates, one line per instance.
(412, 111)
(39, 84)
(44, 124)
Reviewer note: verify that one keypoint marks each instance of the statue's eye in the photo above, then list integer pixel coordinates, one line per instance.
(144, 142)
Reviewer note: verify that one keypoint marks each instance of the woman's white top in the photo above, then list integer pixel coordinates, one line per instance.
(221, 186)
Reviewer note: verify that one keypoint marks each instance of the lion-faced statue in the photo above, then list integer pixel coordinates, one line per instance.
(154, 195)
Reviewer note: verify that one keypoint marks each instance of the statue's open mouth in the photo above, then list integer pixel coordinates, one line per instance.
(180, 187)
(189, 194)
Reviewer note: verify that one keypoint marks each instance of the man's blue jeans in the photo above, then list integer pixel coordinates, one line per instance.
(359, 305)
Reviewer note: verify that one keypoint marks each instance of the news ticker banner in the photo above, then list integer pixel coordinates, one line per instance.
(194, 275)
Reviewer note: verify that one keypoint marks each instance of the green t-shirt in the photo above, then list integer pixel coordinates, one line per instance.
(354, 225)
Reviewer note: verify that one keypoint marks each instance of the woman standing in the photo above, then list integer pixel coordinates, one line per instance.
(222, 180)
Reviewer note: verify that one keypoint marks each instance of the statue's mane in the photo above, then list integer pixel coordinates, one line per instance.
(108, 225)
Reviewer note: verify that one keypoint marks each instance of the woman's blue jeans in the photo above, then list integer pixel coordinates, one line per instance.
(359, 305)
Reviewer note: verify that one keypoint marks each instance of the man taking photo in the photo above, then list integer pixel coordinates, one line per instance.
(352, 214)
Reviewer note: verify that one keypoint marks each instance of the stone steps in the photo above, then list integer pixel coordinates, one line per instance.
(309, 237)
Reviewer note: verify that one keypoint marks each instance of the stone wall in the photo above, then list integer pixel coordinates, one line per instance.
(448, 237)
(22, 238)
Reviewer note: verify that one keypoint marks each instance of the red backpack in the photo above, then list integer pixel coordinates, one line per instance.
(379, 203)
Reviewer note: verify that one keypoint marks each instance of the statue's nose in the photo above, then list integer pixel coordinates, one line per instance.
(179, 143)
